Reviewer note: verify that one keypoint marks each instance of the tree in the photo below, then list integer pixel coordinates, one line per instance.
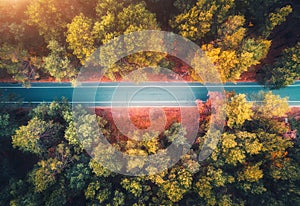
(202, 18)
(105, 7)
(174, 184)
(45, 13)
(246, 160)
(21, 191)
(44, 130)
(176, 134)
(56, 111)
(78, 176)
(233, 53)
(11, 117)
(85, 131)
(285, 69)
(243, 162)
(257, 11)
(134, 17)
(183, 5)
(80, 38)
(276, 18)
(16, 61)
(20, 44)
(56, 13)
(241, 166)
(270, 105)
(138, 189)
(99, 192)
(121, 20)
(44, 175)
(58, 64)
(4, 125)
(27, 137)
(238, 110)
(84, 34)
(12, 27)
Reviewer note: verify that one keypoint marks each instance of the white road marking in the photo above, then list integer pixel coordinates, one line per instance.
(133, 86)
(142, 86)
(115, 102)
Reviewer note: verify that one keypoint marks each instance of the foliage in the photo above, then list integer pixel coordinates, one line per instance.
(257, 11)
(174, 184)
(78, 176)
(57, 62)
(56, 13)
(27, 137)
(11, 117)
(285, 69)
(134, 17)
(184, 5)
(30, 48)
(270, 105)
(238, 110)
(44, 175)
(15, 60)
(80, 38)
(276, 18)
(98, 191)
(249, 159)
(202, 18)
(232, 53)
(53, 38)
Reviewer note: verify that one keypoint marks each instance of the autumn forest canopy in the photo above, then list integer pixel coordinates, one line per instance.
(44, 156)
(41, 39)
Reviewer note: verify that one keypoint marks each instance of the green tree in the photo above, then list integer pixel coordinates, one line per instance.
(85, 131)
(276, 18)
(204, 17)
(44, 130)
(285, 69)
(243, 169)
(138, 189)
(99, 192)
(45, 13)
(118, 21)
(85, 34)
(257, 11)
(121, 20)
(12, 27)
(20, 45)
(78, 176)
(27, 137)
(184, 5)
(56, 111)
(57, 63)
(176, 134)
(16, 61)
(44, 175)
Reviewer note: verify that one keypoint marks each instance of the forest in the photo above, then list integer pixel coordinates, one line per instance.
(255, 162)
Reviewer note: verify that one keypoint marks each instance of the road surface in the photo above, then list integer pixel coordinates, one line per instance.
(144, 94)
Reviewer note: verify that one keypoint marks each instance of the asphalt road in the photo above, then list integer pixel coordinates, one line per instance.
(143, 94)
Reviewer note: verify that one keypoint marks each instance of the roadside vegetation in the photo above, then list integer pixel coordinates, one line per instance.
(42, 39)
(254, 162)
